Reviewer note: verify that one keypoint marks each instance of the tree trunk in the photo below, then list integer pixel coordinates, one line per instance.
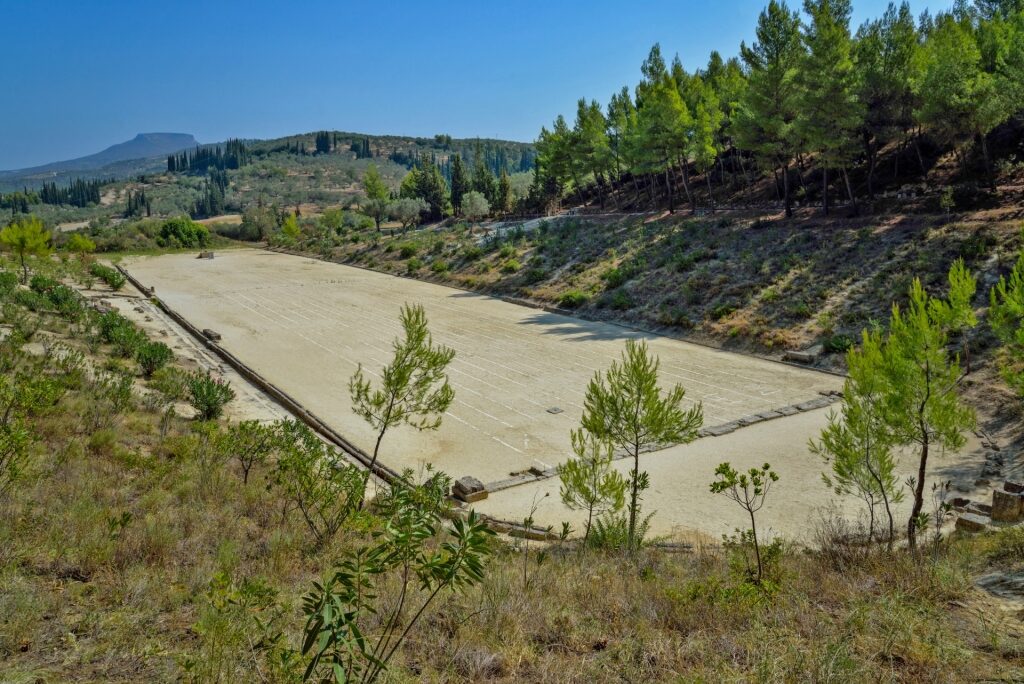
(824, 189)
(668, 188)
(849, 192)
(634, 499)
(775, 175)
(922, 469)
(872, 156)
(686, 185)
(920, 157)
(757, 546)
(785, 185)
(711, 195)
(746, 178)
(988, 163)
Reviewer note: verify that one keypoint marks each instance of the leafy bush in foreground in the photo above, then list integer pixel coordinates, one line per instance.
(208, 395)
(152, 356)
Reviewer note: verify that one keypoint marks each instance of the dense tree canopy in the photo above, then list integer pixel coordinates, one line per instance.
(808, 96)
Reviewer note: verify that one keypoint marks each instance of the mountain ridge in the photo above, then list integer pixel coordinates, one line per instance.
(142, 146)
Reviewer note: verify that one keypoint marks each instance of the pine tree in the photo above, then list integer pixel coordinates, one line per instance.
(764, 119)
(829, 113)
(886, 57)
(460, 182)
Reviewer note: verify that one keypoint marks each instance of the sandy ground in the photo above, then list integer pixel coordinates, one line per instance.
(680, 476)
(250, 402)
(306, 325)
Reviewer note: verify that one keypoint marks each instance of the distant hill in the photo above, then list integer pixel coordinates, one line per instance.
(146, 152)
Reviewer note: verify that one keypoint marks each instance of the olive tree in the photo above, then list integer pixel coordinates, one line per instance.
(408, 211)
(475, 206)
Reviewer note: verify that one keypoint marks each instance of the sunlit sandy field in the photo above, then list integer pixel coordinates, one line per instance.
(519, 376)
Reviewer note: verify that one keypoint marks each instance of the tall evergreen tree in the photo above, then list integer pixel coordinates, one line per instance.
(460, 182)
(886, 57)
(766, 114)
(829, 113)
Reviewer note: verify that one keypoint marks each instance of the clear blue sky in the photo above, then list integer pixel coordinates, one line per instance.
(79, 76)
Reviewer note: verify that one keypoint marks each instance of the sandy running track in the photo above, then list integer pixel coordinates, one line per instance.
(305, 325)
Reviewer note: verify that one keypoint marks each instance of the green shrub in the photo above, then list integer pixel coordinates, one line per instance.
(33, 301)
(573, 299)
(471, 253)
(208, 395)
(439, 266)
(42, 284)
(171, 383)
(121, 333)
(182, 231)
(507, 251)
(8, 282)
(127, 339)
(111, 276)
(838, 344)
(621, 301)
(414, 264)
(723, 310)
(511, 266)
(407, 250)
(152, 356)
(799, 310)
(67, 301)
(535, 275)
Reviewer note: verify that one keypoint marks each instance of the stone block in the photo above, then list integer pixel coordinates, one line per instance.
(800, 356)
(1006, 507)
(970, 522)
(469, 489)
(719, 430)
(1013, 487)
(211, 334)
(978, 508)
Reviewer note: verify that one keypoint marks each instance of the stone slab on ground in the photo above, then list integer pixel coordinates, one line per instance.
(469, 489)
(971, 522)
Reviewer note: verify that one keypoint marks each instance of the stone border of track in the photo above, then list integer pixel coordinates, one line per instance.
(826, 399)
(378, 469)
